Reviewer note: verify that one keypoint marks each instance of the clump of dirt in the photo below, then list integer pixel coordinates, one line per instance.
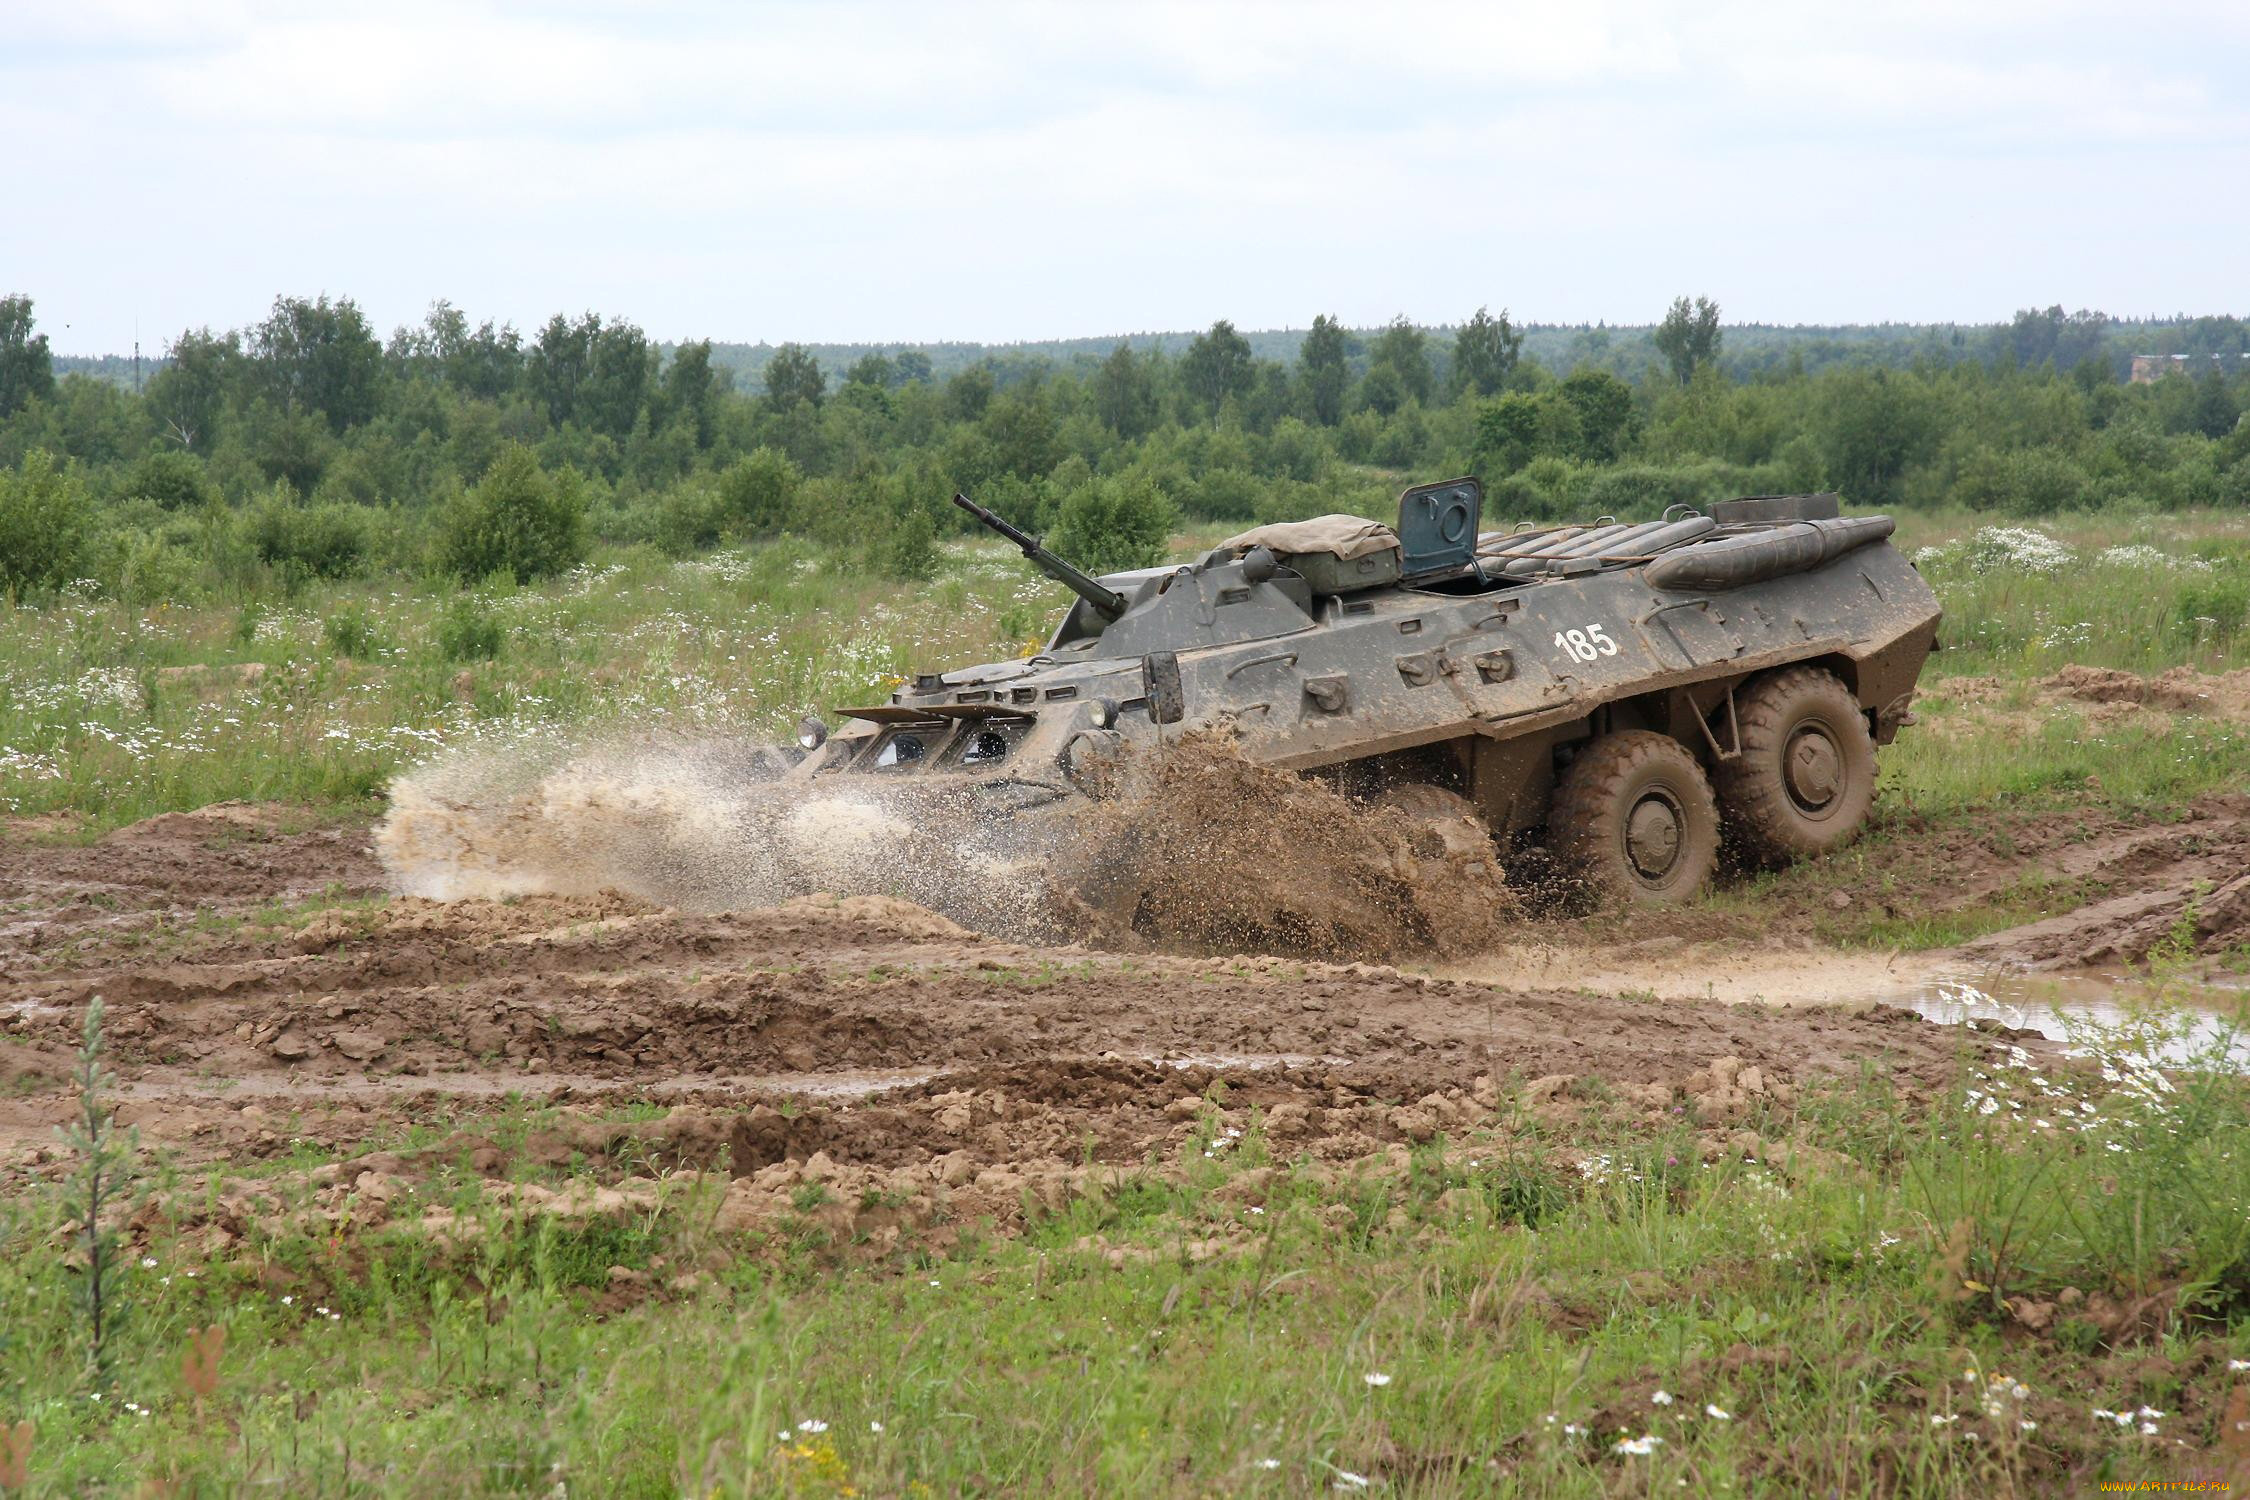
(2179, 690)
(1207, 851)
(1200, 850)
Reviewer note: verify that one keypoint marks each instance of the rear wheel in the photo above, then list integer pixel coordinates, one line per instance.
(1634, 819)
(1805, 778)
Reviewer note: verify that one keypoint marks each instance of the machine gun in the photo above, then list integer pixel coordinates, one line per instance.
(1107, 603)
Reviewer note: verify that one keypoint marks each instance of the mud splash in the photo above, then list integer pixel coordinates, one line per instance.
(1207, 852)
(1201, 851)
(697, 824)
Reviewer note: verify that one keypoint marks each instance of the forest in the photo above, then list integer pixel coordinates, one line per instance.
(307, 446)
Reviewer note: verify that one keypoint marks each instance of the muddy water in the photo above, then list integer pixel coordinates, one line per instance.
(2189, 1023)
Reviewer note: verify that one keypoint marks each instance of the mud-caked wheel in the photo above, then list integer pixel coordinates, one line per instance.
(1633, 819)
(1805, 777)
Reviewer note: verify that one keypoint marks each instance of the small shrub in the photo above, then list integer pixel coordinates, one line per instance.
(43, 525)
(758, 495)
(907, 548)
(351, 632)
(2216, 609)
(691, 518)
(468, 632)
(104, 1172)
(1112, 525)
(519, 520)
(174, 480)
(308, 541)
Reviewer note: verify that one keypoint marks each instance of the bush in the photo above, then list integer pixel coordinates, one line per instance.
(351, 632)
(758, 495)
(1641, 492)
(43, 525)
(143, 567)
(519, 521)
(174, 480)
(467, 631)
(907, 547)
(691, 518)
(1111, 525)
(308, 541)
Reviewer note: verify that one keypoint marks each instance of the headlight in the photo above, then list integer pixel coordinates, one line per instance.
(811, 732)
(1104, 713)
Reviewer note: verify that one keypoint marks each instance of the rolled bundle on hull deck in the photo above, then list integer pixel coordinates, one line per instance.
(1730, 562)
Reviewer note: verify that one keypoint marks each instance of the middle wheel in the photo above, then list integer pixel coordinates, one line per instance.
(1633, 818)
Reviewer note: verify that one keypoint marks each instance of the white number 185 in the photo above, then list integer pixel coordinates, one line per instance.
(1587, 644)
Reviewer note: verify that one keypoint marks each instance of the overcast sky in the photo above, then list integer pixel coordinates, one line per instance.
(948, 171)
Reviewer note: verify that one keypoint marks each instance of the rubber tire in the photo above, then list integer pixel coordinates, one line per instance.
(1770, 823)
(1594, 797)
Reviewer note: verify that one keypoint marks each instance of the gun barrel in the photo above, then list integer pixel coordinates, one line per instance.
(1107, 602)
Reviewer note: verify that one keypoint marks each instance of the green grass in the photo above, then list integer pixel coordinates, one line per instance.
(117, 714)
(1543, 1275)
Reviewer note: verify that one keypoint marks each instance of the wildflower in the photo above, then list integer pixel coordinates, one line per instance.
(874, 1427)
(1661, 1398)
(1640, 1447)
(2238, 1364)
(813, 1425)
(2027, 1425)
(2148, 1429)
(1718, 1413)
(1376, 1377)
(1943, 1419)
(286, 1299)
(1347, 1480)
(2149, 1411)
(1269, 1463)
(148, 1262)
(1572, 1429)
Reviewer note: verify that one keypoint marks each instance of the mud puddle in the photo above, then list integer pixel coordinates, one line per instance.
(2201, 1025)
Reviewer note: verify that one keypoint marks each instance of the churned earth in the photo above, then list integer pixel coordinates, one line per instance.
(268, 995)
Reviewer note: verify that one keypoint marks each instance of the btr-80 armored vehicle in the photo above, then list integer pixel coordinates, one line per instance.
(1632, 689)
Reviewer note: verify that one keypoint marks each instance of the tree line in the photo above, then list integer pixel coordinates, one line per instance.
(307, 445)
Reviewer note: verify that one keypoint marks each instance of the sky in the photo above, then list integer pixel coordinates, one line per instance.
(994, 172)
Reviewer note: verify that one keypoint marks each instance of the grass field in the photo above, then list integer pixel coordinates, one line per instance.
(2022, 1280)
(319, 698)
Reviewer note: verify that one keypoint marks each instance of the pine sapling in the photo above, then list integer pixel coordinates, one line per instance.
(104, 1174)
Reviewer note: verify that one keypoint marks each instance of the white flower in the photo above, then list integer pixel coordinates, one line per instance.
(2027, 1425)
(2238, 1364)
(148, 1262)
(1661, 1398)
(1572, 1429)
(1376, 1377)
(2148, 1429)
(1347, 1480)
(1640, 1447)
(1938, 1419)
(286, 1299)
(1269, 1463)
(1718, 1413)
(812, 1424)
(874, 1427)
(2150, 1411)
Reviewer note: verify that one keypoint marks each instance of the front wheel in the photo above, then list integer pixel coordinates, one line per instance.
(1634, 820)
(1805, 777)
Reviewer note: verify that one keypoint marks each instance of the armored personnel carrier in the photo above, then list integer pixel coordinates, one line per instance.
(1633, 690)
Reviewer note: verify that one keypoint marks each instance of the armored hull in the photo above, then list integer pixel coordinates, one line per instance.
(1633, 690)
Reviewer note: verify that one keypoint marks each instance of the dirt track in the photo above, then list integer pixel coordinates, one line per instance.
(258, 999)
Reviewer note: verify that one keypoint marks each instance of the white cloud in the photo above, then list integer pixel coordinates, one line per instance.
(1020, 170)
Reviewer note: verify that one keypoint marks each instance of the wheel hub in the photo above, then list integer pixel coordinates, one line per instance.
(1813, 767)
(1652, 835)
